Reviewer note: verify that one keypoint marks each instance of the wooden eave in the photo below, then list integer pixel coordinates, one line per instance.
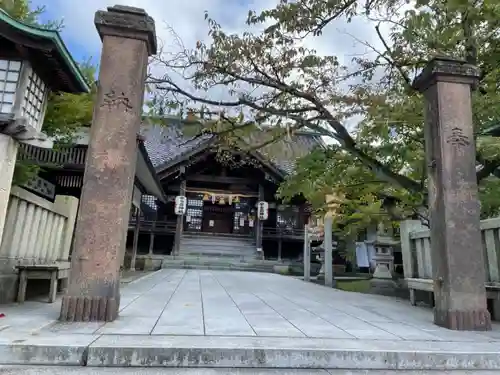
(46, 52)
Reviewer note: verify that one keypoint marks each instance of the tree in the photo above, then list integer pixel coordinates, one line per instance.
(65, 112)
(275, 80)
(23, 10)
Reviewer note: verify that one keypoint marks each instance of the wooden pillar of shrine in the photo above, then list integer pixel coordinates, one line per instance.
(259, 226)
(180, 218)
(136, 238)
(152, 239)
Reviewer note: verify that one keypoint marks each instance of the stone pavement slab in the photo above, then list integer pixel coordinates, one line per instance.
(18, 370)
(229, 318)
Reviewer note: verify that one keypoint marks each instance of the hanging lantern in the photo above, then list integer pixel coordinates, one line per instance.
(213, 198)
(236, 199)
(230, 200)
(222, 201)
(206, 197)
(262, 210)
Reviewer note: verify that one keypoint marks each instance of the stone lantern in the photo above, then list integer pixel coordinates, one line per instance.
(33, 62)
(384, 244)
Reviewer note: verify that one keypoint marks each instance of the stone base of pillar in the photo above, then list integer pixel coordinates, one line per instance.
(382, 272)
(259, 254)
(385, 287)
(475, 320)
(86, 309)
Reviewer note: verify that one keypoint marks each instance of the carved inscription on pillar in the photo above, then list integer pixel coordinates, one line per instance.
(112, 100)
(457, 138)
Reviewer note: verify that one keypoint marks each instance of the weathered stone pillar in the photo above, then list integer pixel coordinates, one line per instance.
(328, 244)
(128, 36)
(307, 254)
(457, 258)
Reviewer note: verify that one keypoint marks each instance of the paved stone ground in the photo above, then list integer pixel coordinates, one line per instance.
(190, 318)
(21, 370)
(225, 303)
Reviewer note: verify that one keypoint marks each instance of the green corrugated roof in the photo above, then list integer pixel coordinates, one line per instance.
(54, 37)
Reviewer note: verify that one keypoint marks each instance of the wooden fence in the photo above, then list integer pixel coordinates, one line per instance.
(37, 231)
(417, 263)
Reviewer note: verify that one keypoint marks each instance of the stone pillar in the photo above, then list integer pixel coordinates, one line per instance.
(307, 254)
(406, 227)
(128, 36)
(8, 154)
(328, 244)
(280, 246)
(458, 266)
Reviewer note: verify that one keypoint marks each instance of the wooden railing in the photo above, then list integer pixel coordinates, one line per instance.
(169, 227)
(416, 251)
(63, 156)
(152, 225)
(282, 233)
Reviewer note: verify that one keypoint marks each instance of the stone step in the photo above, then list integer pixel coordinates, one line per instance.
(216, 267)
(217, 249)
(196, 258)
(239, 264)
(218, 244)
(248, 352)
(213, 242)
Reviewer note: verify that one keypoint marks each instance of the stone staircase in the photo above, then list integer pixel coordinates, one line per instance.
(218, 246)
(217, 252)
(219, 264)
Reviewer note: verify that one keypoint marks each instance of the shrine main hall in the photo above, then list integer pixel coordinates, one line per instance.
(222, 183)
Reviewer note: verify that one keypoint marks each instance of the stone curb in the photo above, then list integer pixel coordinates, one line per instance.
(50, 350)
(289, 358)
(219, 352)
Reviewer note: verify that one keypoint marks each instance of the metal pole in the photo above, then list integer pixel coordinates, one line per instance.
(328, 251)
(307, 255)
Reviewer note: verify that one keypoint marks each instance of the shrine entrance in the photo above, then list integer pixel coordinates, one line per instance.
(217, 219)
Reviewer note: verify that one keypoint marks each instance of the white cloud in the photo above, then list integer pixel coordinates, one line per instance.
(186, 18)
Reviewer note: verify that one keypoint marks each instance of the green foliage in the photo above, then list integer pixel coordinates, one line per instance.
(280, 83)
(23, 10)
(66, 113)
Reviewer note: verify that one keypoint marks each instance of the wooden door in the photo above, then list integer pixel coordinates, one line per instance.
(217, 222)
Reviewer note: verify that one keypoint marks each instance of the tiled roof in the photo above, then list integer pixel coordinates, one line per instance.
(166, 143)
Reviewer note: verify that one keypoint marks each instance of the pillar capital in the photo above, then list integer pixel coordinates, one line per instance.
(127, 22)
(446, 69)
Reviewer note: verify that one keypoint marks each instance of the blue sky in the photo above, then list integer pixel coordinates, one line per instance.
(80, 50)
(186, 17)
